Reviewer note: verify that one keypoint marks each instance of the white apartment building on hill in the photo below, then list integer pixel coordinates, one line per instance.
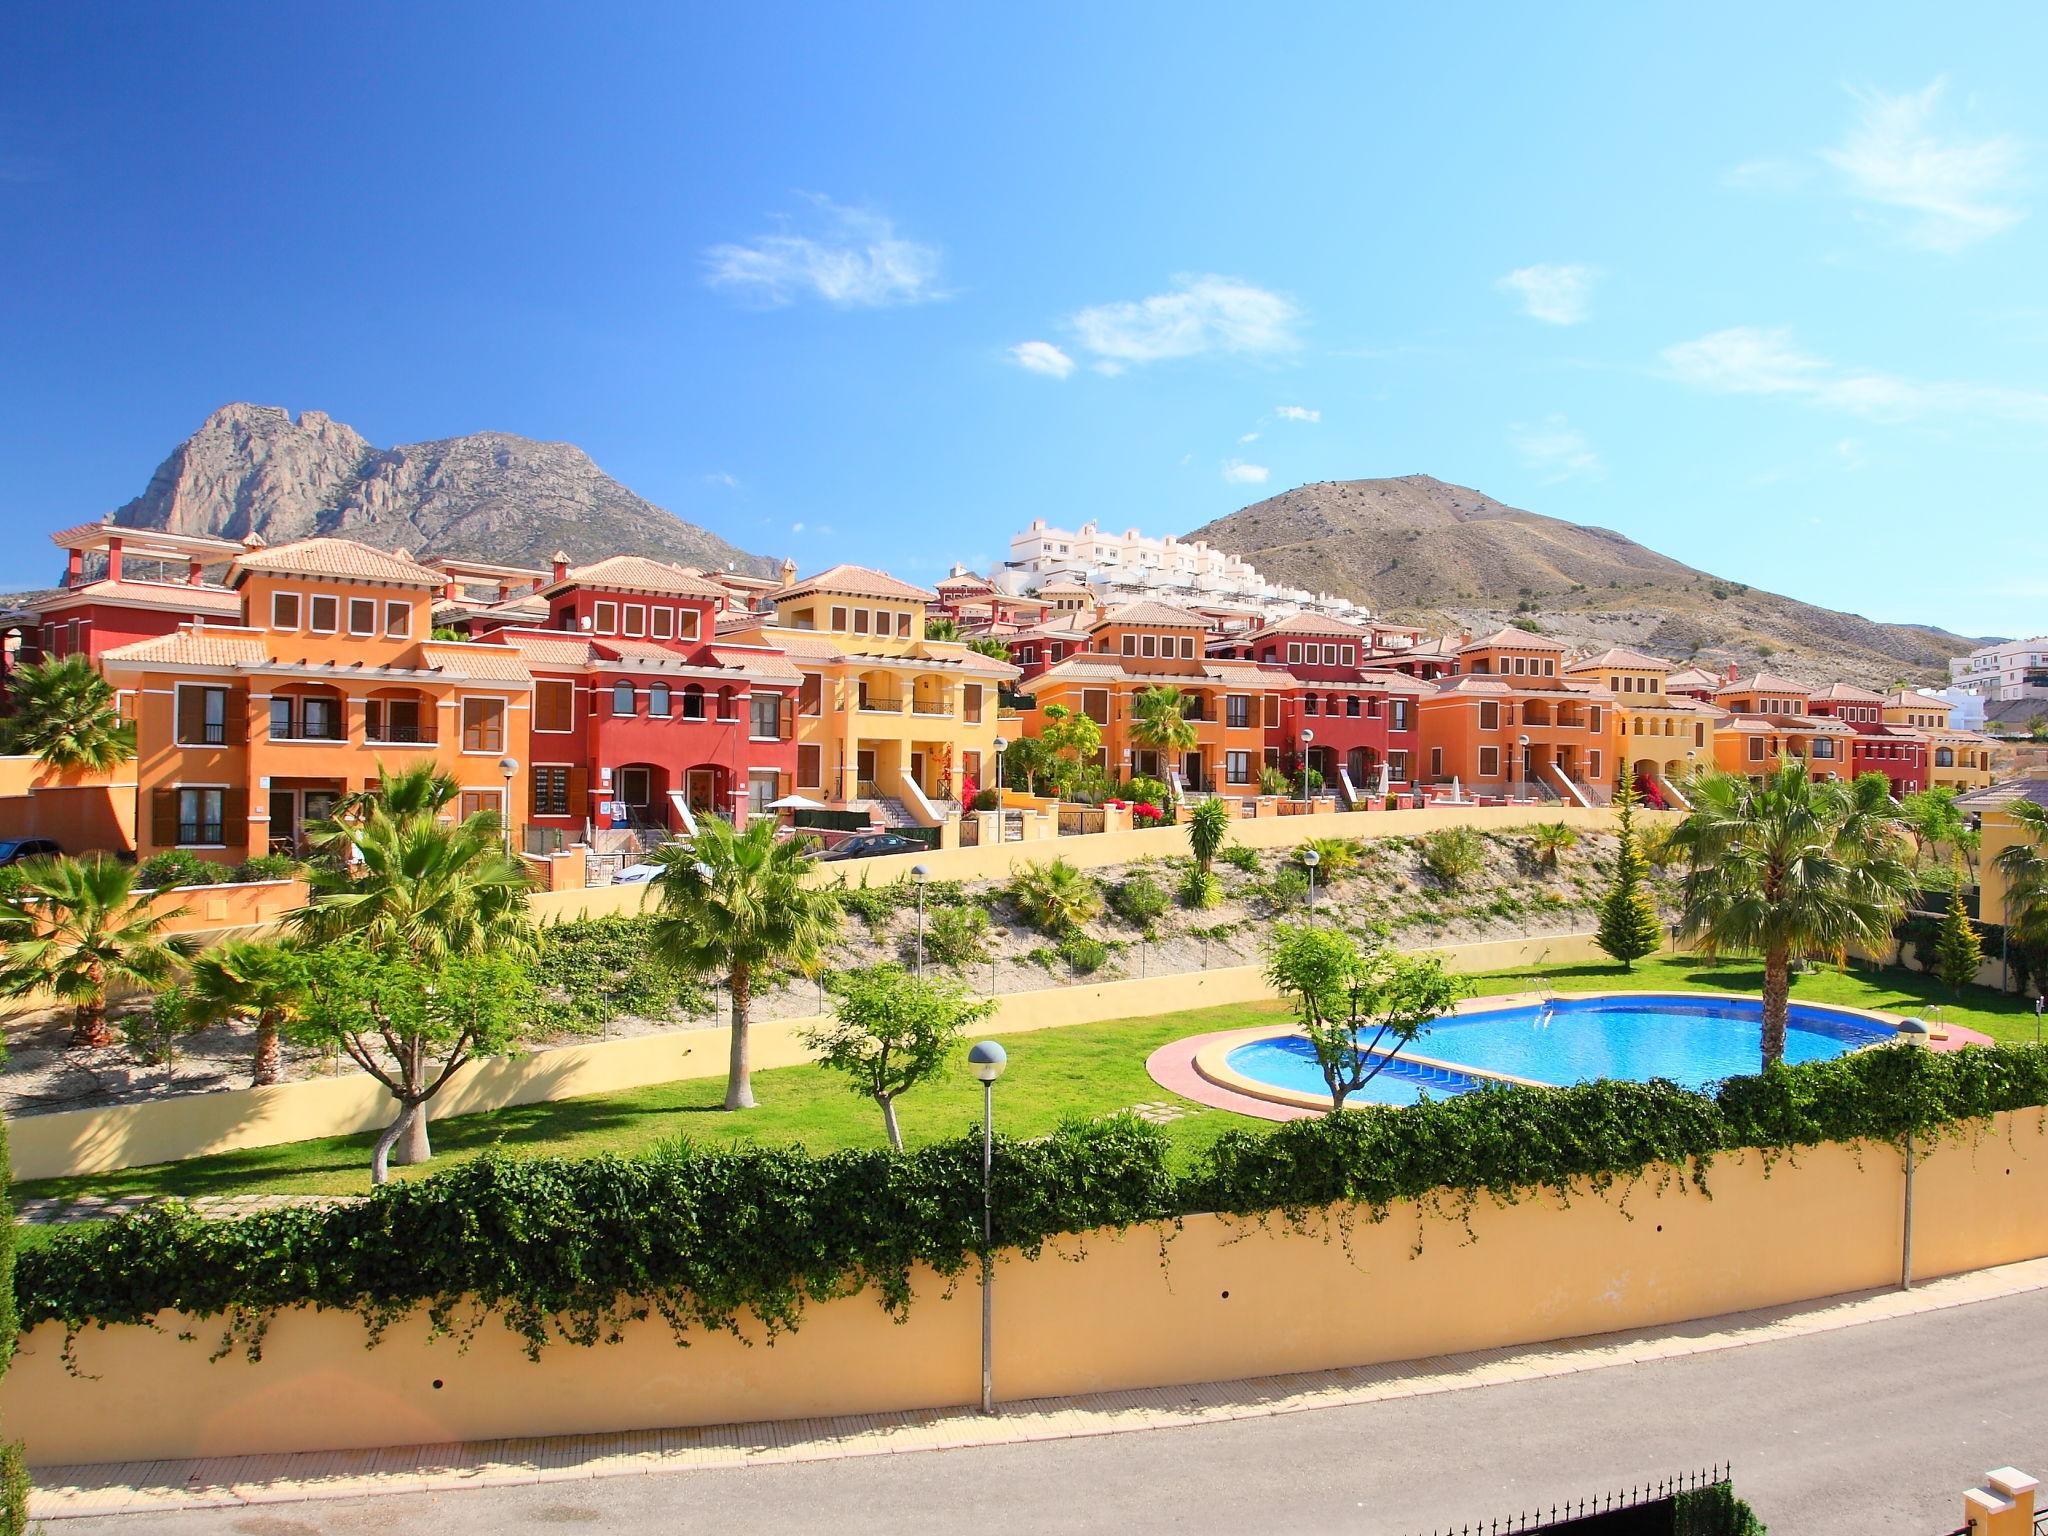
(2011, 669)
(1127, 566)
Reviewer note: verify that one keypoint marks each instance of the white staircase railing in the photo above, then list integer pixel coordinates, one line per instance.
(1671, 793)
(1571, 790)
(681, 802)
(920, 808)
(1345, 788)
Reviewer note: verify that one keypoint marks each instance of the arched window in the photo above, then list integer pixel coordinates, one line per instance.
(693, 702)
(657, 700)
(622, 699)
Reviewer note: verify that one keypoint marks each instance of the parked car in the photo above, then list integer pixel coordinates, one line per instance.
(636, 874)
(16, 849)
(869, 845)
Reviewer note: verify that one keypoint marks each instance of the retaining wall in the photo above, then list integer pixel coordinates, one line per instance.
(1223, 1299)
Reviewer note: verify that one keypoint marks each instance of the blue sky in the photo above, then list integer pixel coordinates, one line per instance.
(1761, 286)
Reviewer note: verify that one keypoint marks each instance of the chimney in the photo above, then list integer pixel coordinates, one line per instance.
(194, 574)
(113, 559)
(1734, 672)
(74, 566)
(788, 571)
(451, 589)
(561, 563)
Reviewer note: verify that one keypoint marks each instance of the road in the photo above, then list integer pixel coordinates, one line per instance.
(1870, 1429)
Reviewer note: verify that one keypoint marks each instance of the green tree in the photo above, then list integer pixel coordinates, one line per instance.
(411, 1023)
(890, 1031)
(154, 1033)
(1358, 1004)
(1208, 831)
(258, 980)
(1055, 897)
(1957, 950)
(74, 929)
(1160, 723)
(941, 628)
(1028, 760)
(1074, 741)
(1788, 868)
(1934, 820)
(739, 906)
(404, 881)
(2037, 728)
(1629, 928)
(2023, 866)
(989, 645)
(1551, 839)
(66, 716)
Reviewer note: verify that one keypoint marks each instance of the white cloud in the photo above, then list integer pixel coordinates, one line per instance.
(1556, 295)
(1249, 437)
(1554, 450)
(720, 477)
(1751, 360)
(1296, 413)
(796, 527)
(1199, 314)
(851, 258)
(1956, 188)
(1237, 472)
(1042, 357)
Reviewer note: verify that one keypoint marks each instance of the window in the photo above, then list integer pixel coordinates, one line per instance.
(657, 700)
(1397, 767)
(839, 619)
(1399, 722)
(1329, 655)
(622, 699)
(970, 703)
(1436, 762)
(398, 620)
(203, 717)
(605, 618)
(661, 623)
(636, 620)
(1187, 647)
(326, 612)
(1130, 645)
(860, 621)
(764, 711)
(550, 789)
(201, 823)
(1270, 712)
(1148, 645)
(1489, 762)
(1349, 653)
(1489, 715)
(902, 626)
(554, 705)
(1593, 766)
(1237, 767)
(1311, 703)
(475, 802)
(362, 616)
(1027, 655)
(1237, 711)
(396, 720)
(320, 718)
(281, 719)
(1293, 651)
(761, 786)
(1521, 665)
(810, 695)
(284, 610)
(483, 725)
(1756, 749)
(970, 768)
(693, 702)
(1351, 706)
(1593, 718)
(1549, 668)
(810, 767)
(1095, 705)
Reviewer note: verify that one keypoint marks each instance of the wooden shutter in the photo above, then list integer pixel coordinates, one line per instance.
(235, 718)
(191, 714)
(785, 717)
(163, 817)
(579, 791)
(234, 817)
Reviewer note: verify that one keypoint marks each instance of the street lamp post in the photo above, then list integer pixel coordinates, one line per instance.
(1311, 859)
(1521, 763)
(1002, 816)
(920, 874)
(987, 1061)
(1307, 739)
(509, 767)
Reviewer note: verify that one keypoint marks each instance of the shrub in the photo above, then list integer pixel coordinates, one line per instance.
(590, 971)
(1199, 888)
(1336, 856)
(874, 904)
(1138, 900)
(1055, 898)
(1552, 838)
(1084, 956)
(1273, 782)
(178, 866)
(266, 866)
(1208, 831)
(956, 936)
(988, 799)
(1453, 854)
(153, 1033)
(1288, 887)
(1238, 856)
(1147, 790)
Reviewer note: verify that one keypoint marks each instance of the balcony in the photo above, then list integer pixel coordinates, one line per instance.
(307, 730)
(879, 704)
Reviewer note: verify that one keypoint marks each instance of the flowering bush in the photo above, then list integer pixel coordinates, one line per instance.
(1145, 812)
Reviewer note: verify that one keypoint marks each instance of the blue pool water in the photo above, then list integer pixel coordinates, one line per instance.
(1694, 1041)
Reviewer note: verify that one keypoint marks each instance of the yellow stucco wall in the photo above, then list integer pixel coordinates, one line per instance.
(1230, 1299)
(135, 1135)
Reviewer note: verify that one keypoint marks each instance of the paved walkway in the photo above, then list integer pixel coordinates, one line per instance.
(182, 1492)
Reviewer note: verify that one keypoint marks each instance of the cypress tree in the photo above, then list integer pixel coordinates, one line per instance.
(1629, 928)
(1957, 952)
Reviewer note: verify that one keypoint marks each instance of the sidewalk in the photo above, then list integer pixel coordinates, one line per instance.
(164, 1487)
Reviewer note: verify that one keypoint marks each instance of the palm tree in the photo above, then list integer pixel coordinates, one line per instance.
(1789, 868)
(429, 887)
(65, 714)
(74, 930)
(1056, 898)
(739, 905)
(1159, 722)
(1208, 831)
(1551, 838)
(2024, 868)
(941, 629)
(250, 979)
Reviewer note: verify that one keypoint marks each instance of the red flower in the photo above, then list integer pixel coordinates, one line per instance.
(1146, 812)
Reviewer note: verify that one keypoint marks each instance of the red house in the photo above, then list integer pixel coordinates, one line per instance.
(127, 584)
(1897, 753)
(1357, 723)
(643, 719)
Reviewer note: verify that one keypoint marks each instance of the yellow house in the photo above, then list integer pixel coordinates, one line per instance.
(1960, 760)
(887, 720)
(2000, 832)
(1661, 737)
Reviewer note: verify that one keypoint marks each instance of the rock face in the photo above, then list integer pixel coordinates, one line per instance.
(1422, 551)
(488, 496)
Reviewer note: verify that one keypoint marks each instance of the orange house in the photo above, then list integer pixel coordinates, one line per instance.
(247, 733)
(1149, 645)
(1511, 724)
(1767, 719)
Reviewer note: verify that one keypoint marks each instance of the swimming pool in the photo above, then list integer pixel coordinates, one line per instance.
(1693, 1039)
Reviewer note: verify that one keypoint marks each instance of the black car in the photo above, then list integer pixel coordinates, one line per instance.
(15, 849)
(868, 845)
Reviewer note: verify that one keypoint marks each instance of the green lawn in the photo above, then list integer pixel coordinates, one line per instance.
(1081, 1070)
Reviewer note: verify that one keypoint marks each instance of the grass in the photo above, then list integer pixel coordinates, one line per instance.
(1082, 1070)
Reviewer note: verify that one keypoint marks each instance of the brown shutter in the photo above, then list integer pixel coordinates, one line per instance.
(235, 718)
(190, 713)
(234, 816)
(785, 717)
(579, 791)
(163, 818)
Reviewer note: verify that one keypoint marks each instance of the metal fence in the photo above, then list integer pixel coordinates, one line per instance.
(1080, 820)
(1699, 1503)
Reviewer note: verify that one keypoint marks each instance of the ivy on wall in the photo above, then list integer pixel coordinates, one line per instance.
(572, 1250)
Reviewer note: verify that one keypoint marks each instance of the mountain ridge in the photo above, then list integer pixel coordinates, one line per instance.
(1424, 551)
(492, 496)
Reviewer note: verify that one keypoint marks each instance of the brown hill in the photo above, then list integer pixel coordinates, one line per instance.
(1424, 552)
(488, 496)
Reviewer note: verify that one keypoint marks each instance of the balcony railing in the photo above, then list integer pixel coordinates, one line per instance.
(930, 708)
(402, 736)
(880, 704)
(300, 730)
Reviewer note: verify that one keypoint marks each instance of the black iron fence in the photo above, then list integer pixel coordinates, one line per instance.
(1078, 820)
(1699, 1503)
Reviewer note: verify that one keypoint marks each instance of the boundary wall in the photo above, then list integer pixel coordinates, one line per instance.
(1221, 1299)
(83, 1141)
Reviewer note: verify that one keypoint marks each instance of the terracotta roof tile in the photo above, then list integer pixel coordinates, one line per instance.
(498, 663)
(637, 573)
(173, 595)
(547, 649)
(1510, 638)
(1150, 613)
(1620, 659)
(191, 647)
(1849, 692)
(1762, 682)
(768, 666)
(858, 581)
(336, 557)
(1912, 698)
(1310, 624)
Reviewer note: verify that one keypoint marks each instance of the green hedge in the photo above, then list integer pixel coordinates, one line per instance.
(561, 1249)
(13, 1474)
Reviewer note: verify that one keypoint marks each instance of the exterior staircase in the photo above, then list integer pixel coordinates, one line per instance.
(884, 811)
